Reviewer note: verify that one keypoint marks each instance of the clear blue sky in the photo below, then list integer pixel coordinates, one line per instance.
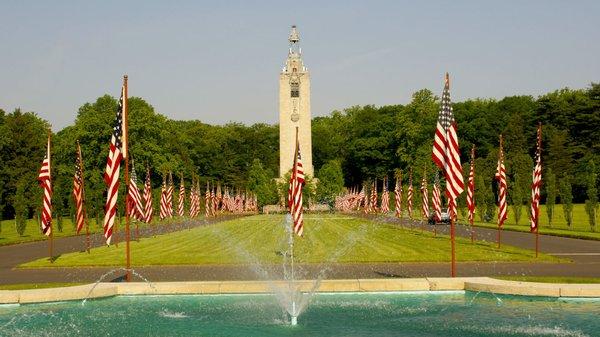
(219, 61)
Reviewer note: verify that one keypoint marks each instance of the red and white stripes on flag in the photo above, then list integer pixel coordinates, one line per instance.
(295, 192)
(537, 182)
(136, 208)
(409, 196)
(181, 199)
(398, 197)
(78, 191)
(45, 181)
(471, 188)
(446, 154)
(502, 186)
(193, 199)
(164, 206)
(385, 198)
(437, 199)
(374, 196)
(117, 151)
(148, 209)
(425, 196)
(207, 206)
(170, 189)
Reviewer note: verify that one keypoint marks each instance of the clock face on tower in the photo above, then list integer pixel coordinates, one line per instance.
(295, 117)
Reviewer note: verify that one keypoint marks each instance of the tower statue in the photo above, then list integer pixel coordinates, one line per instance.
(294, 109)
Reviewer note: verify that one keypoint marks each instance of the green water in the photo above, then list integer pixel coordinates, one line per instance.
(390, 314)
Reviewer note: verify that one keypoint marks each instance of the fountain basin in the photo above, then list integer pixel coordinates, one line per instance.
(409, 313)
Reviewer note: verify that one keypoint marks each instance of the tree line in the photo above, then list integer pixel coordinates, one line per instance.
(360, 142)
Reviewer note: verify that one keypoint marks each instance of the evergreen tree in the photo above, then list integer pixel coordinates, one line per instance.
(550, 195)
(331, 182)
(566, 199)
(20, 206)
(591, 204)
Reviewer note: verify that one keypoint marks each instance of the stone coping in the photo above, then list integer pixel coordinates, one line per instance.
(483, 284)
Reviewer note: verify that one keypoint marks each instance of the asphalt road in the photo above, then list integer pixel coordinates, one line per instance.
(585, 255)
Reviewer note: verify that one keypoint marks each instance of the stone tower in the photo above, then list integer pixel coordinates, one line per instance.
(294, 109)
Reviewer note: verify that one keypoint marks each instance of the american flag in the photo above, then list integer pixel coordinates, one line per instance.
(213, 202)
(295, 192)
(181, 199)
(385, 198)
(398, 196)
(170, 189)
(193, 200)
(374, 196)
(136, 208)
(425, 196)
(164, 206)
(361, 198)
(471, 188)
(537, 182)
(409, 196)
(116, 153)
(149, 210)
(207, 207)
(502, 186)
(78, 191)
(446, 153)
(45, 181)
(437, 199)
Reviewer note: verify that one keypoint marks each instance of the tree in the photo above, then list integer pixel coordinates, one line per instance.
(481, 197)
(20, 206)
(550, 195)
(260, 181)
(566, 199)
(331, 182)
(591, 204)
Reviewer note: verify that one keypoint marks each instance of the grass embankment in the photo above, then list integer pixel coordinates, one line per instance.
(551, 279)
(262, 238)
(22, 286)
(579, 230)
(9, 235)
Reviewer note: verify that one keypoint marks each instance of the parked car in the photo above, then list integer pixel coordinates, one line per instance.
(445, 218)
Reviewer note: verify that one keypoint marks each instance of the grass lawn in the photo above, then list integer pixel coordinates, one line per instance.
(9, 234)
(21, 286)
(551, 279)
(580, 229)
(328, 238)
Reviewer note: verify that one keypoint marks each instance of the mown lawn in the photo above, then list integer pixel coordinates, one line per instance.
(21, 286)
(262, 238)
(9, 235)
(580, 228)
(551, 279)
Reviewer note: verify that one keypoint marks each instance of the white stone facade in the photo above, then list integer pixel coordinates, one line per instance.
(294, 110)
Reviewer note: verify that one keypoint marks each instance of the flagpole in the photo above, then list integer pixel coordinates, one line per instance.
(537, 225)
(502, 158)
(85, 219)
(127, 220)
(292, 228)
(471, 220)
(51, 237)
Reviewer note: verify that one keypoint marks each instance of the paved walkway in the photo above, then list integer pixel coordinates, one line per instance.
(584, 253)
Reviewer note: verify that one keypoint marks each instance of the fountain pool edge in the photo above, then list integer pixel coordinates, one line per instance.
(482, 284)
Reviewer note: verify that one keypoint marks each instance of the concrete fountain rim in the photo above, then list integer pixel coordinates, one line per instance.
(432, 284)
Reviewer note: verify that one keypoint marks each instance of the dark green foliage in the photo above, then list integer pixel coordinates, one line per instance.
(261, 182)
(20, 207)
(591, 204)
(550, 182)
(368, 142)
(331, 182)
(566, 199)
